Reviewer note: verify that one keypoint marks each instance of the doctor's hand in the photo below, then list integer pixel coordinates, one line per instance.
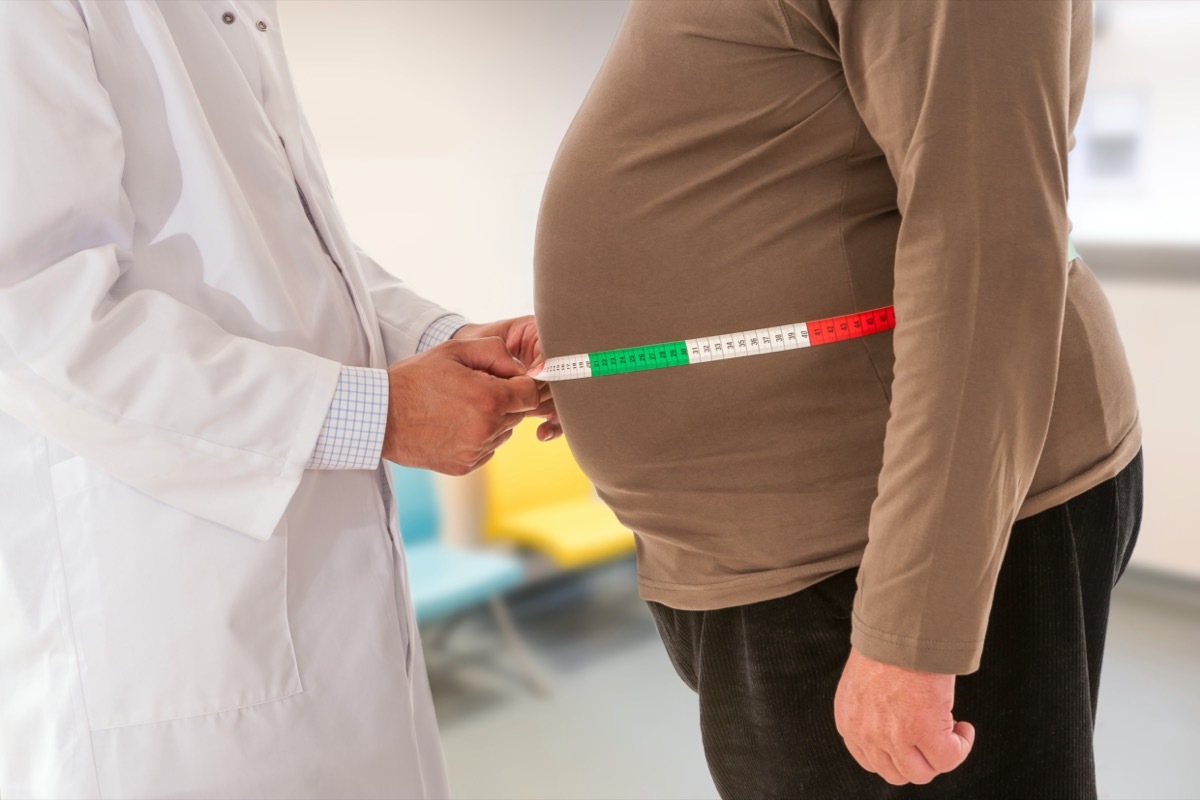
(452, 406)
(898, 723)
(520, 335)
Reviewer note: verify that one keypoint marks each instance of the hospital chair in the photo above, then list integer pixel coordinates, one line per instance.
(538, 498)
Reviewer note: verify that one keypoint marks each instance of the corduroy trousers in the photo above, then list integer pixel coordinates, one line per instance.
(766, 672)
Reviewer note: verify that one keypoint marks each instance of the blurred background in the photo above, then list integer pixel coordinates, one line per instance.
(439, 119)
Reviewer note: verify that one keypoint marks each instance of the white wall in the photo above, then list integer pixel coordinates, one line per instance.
(1155, 319)
(438, 122)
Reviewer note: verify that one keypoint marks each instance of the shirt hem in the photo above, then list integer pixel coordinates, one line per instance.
(746, 589)
(1108, 468)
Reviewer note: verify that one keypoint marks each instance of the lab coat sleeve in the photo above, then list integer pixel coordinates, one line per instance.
(404, 316)
(140, 385)
(969, 103)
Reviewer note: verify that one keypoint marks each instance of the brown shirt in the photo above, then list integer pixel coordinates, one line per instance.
(738, 165)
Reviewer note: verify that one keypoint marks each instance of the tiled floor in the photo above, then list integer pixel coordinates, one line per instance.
(619, 723)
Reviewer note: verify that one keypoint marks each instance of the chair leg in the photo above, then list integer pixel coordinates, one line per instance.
(513, 639)
(436, 635)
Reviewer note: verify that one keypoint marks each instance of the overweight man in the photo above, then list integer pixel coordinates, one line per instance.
(884, 559)
(202, 591)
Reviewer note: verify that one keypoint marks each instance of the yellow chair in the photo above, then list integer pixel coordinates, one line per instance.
(539, 498)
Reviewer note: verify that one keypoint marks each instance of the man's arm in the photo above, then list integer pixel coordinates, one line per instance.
(969, 103)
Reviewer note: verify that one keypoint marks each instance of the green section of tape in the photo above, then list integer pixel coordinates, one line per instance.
(637, 359)
(1072, 253)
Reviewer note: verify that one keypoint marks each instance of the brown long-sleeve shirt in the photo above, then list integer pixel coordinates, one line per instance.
(744, 164)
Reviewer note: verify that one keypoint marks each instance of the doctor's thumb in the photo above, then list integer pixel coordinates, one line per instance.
(488, 355)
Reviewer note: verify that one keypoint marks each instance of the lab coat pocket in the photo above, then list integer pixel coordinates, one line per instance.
(173, 616)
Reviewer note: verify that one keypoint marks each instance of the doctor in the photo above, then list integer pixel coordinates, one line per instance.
(201, 588)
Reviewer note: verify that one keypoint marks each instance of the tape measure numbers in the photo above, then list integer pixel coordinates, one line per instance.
(718, 348)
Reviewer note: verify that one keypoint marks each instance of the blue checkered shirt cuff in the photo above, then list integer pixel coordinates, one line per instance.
(439, 331)
(352, 437)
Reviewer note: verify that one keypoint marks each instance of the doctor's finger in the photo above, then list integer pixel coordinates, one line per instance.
(488, 355)
(482, 461)
(519, 395)
(506, 425)
(493, 444)
(550, 429)
(546, 409)
(524, 342)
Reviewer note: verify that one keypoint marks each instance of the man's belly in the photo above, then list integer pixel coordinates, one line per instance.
(725, 468)
(750, 464)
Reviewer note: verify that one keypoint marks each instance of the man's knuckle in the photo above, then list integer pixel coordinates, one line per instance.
(939, 766)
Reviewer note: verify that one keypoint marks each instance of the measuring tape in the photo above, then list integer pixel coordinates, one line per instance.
(730, 345)
(718, 348)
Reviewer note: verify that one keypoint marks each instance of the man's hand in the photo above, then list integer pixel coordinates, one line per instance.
(452, 406)
(898, 722)
(520, 336)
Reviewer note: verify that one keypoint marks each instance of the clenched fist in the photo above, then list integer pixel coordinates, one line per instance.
(899, 723)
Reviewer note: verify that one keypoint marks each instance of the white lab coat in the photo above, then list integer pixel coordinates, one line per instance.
(185, 611)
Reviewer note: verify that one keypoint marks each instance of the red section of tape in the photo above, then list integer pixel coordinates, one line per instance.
(869, 325)
(864, 323)
(815, 334)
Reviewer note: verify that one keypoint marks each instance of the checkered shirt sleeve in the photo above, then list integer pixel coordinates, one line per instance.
(439, 331)
(352, 437)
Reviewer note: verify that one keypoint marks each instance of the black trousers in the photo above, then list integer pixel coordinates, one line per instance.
(766, 673)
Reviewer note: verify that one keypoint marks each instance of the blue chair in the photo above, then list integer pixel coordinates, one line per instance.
(446, 581)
